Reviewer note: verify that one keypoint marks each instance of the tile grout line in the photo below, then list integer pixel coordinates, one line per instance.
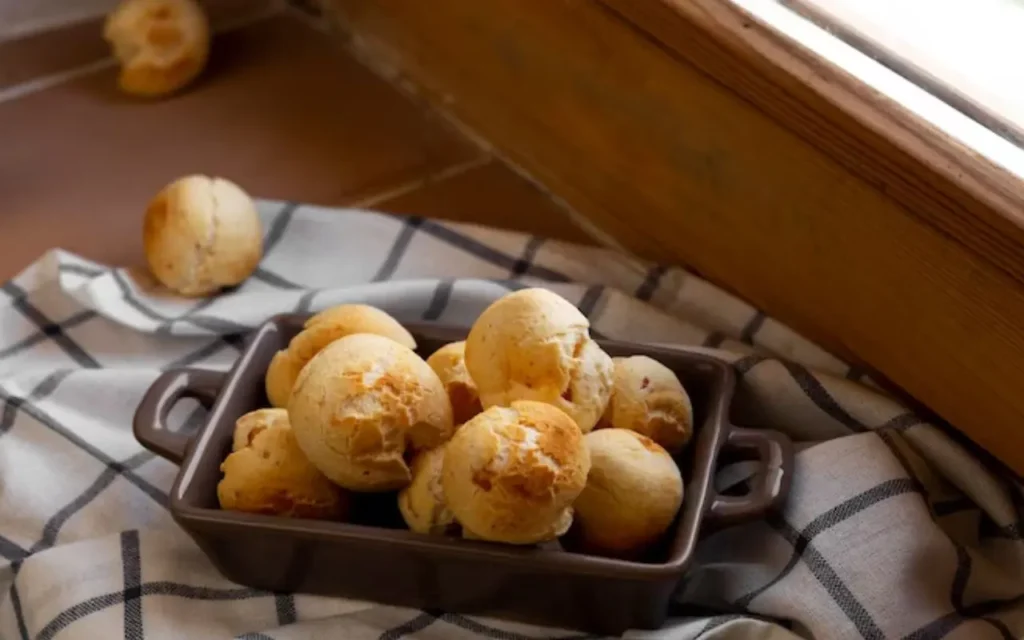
(603, 238)
(420, 182)
(42, 83)
(47, 25)
(373, 57)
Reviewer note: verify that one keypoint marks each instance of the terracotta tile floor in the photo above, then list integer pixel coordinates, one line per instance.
(282, 111)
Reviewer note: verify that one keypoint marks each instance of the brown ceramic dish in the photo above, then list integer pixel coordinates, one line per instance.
(374, 557)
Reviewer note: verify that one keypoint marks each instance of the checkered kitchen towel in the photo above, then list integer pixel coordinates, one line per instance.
(892, 530)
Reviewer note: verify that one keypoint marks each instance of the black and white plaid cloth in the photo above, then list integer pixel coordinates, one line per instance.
(893, 528)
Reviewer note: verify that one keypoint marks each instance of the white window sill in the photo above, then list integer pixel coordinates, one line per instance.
(912, 97)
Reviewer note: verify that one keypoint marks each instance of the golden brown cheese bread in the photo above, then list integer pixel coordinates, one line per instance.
(422, 503)
(161, 45)
(633, 493)
(511, 473)
(648, 398)
(202, 234)
(364, 403)
(450, 364)
(267, 473)
(319, 331)
(535, 345)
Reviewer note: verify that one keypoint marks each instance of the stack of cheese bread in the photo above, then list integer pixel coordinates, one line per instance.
(524, 431)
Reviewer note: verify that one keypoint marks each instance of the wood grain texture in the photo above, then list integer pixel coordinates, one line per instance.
(950, 187)
(694, 135)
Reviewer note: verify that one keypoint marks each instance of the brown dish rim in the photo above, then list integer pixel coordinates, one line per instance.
(701, 499)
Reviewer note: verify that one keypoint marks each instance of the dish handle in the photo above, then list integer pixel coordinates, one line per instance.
(150, 423)
(769, 486)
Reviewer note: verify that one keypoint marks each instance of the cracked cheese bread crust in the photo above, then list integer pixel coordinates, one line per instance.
(648, 398)
(161, 45)
(267, 473)
(422, 503)
(535, 345)
(319, 331)
(511, 473)
(449, 362)
(364, 403)
(202, 234)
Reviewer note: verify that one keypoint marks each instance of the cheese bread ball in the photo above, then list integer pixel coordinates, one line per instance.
(161, 45)
(633, 493)
(648, 398)
(511, 473)
(267, 473)
(422, 503)
(450, 364)
(363, 404)
(202, 234)
(535, 345)
(319, 331)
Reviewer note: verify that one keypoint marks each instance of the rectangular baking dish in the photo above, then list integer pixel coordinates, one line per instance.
(373, 557)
